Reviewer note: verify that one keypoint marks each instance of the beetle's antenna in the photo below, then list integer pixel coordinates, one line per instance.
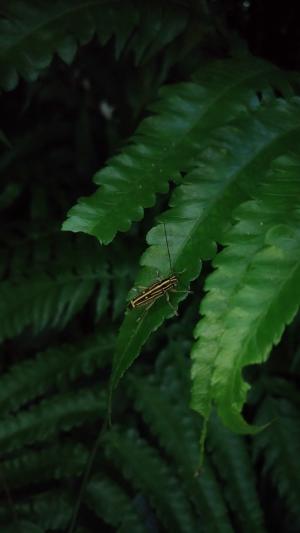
(171, 268)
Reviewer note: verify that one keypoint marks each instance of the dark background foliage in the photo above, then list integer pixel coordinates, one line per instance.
(60, 129)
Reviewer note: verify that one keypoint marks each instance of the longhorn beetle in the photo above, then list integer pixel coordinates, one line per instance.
(150, 294)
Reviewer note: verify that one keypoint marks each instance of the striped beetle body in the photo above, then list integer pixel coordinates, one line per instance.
(154, 292)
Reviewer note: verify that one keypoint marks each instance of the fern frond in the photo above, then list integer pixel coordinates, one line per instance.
(279, 445)
(32, 32)
(53, 462)
(283, 388)
(231, 457)
(50, 511)
(252, 295)
(228, 173)
(150, 474)
(176, 427)
(168, 143)
(26, 526)
(60, 413)
(49, 295)
(32, 378)
(111, 503)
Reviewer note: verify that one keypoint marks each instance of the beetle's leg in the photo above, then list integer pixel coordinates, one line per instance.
(171, 305)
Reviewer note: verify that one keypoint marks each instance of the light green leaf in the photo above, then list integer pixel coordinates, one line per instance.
(201, 210)
(169, 142)
(254, 292)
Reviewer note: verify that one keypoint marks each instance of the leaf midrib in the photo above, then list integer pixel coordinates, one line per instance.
(258, 321)
(199, 220)
(165, 153)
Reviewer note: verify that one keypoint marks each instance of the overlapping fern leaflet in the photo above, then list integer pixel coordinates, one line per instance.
(150, 472)
(33, 378)
(279, 446)
(232, 459)
(48, 511)
(111, 503)
(32, 32)
(253, 293)
(50, 294)
(52, 510)
(41, 423)
(226, 174)
(177, 429)
(58, 461)
(168, 143)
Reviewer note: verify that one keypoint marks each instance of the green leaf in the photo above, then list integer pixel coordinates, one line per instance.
(42, 422)
(50, 294)
(150, 473)
(32, 378)
(168, 143)
(280, 387)
(231, 457)
(175, 425)
(58, 461)
(159, 25)
(50, 510)
(110, 502)
(279, 446)
(201, 210)
(253, 293)
(139, 323)
(33, 31)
